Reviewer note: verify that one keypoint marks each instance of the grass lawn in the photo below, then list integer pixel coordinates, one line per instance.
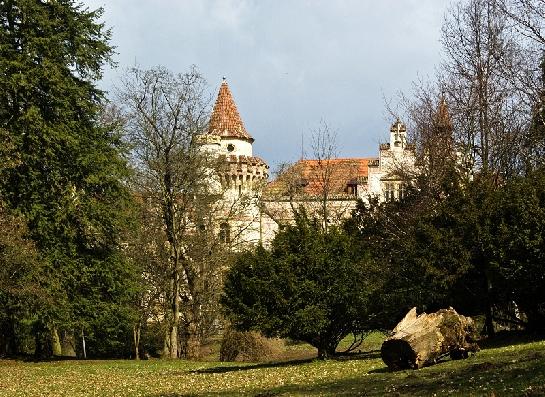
(502, 370)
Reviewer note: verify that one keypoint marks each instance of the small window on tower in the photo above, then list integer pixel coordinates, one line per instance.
(230, 147)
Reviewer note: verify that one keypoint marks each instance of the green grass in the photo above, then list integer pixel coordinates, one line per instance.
(508, 370)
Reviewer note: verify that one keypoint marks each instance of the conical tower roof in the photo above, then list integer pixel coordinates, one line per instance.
(443, 115)
(225, 120)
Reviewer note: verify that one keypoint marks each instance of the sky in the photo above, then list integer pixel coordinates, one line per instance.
(290, 64)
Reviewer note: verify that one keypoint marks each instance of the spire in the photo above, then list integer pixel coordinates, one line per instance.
(225, 120)
(443, 115)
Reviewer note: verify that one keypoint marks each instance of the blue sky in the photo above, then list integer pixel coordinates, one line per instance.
(289, 63)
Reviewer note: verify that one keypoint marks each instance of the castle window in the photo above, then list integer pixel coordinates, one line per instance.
(389, 191)
(230, 147)
(225, 233)
(352, 189)
(397, 141)
(402, 191)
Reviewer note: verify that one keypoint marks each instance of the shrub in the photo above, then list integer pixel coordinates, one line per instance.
(246, 346)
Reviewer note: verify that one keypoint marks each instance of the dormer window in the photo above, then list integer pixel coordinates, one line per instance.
(230, 147)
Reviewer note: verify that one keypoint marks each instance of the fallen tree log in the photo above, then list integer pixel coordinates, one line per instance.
(421, 340)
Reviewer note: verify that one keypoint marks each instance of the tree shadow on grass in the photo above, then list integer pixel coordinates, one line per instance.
(279, 364)
(484, 378)
(510, 338)
(366, 355)
(243, 367)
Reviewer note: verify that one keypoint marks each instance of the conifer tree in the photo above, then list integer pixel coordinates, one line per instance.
(68, 168)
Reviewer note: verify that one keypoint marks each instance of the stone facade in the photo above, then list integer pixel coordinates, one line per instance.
(262, 206)
(242, 175)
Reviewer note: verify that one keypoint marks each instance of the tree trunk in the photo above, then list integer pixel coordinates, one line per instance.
(43, 341)
(9, 343)
(326, 348)
(57, 348)
(193, 343)
(421, 340)
(489, 320)
(166, 345)
(325, 352)
(171, 337)
(136, 338)
(173, 352)
(83, 344)
(68, 344)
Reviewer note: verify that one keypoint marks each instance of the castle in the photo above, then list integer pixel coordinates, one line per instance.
(331, 184)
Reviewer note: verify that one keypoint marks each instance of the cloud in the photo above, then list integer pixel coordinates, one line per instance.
(289, 63)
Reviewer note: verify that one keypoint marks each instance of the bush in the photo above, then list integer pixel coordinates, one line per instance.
(246, 346)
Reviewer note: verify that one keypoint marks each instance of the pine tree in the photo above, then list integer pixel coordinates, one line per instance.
(67, 168)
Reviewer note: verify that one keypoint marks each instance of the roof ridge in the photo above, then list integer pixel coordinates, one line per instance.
(342, 158)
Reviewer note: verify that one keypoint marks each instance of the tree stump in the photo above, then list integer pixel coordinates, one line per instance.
(421, 340)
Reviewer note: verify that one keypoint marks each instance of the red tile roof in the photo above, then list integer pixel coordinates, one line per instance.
(314, 176)
(225, 120)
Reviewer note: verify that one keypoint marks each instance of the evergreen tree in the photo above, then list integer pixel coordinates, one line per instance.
(311, 286)
(68, 168)
(519, 254)
(21, 293)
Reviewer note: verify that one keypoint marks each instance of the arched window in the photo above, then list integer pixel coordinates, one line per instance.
(225, 233)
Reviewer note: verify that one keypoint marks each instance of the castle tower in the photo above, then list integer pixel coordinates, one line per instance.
(443, 125)
(228, 137)
(398, 136)
(443, 115)
(243, 174)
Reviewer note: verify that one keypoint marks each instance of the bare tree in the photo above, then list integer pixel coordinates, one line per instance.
(317, 185)
(323, 170)
(481, 56)
(164, 114)
(528, 16)
(192, 217)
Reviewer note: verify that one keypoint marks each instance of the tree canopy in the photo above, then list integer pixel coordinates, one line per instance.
(67, 166)
(310, 286)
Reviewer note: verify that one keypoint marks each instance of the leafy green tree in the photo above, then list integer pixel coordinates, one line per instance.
(310, 286)
(68, 171)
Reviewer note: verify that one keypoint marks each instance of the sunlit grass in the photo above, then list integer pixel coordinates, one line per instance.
(511, 370)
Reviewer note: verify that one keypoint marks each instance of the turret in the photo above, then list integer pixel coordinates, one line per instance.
(398, 136)
(227, 136)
